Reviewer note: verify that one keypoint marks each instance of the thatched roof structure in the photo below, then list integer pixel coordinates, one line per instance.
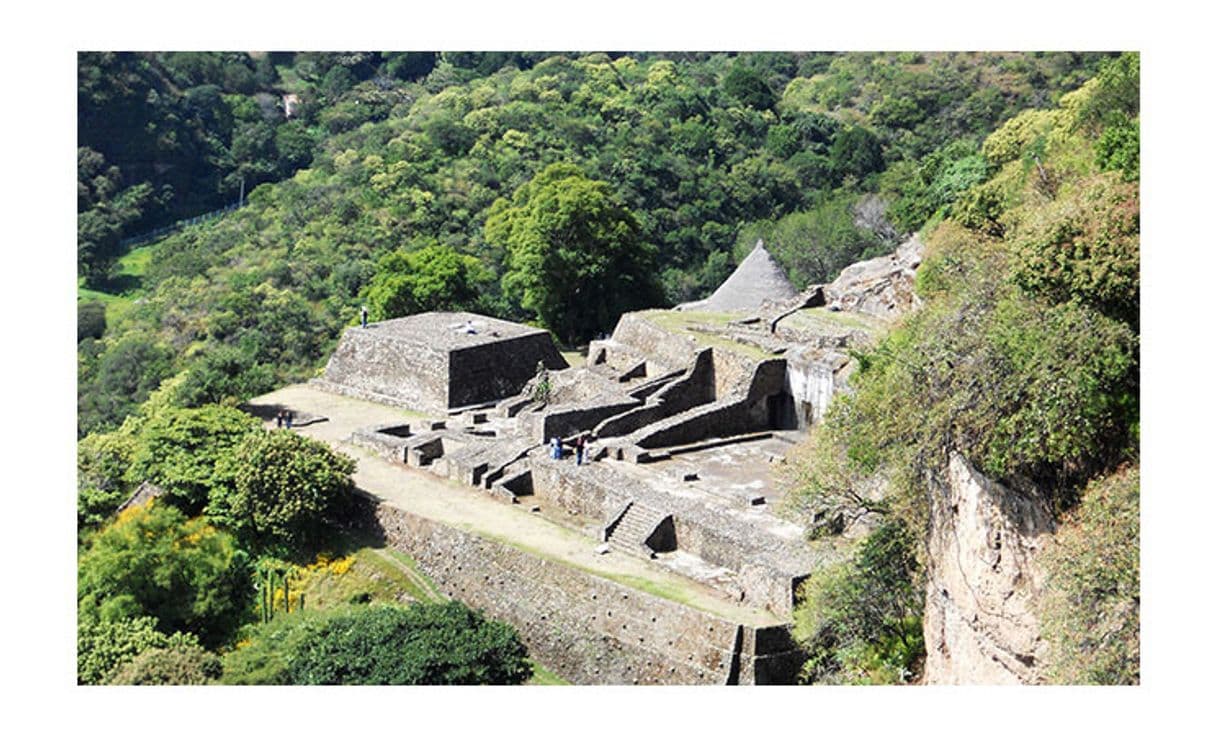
(757, 279)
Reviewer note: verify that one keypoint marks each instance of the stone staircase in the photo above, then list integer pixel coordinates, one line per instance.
(629, 534)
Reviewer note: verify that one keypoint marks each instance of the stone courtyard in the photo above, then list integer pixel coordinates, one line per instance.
(688, 412)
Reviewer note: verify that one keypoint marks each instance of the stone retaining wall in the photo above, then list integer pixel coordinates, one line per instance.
(588, 629)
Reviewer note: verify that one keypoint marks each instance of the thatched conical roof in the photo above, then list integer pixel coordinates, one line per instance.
(758, 278)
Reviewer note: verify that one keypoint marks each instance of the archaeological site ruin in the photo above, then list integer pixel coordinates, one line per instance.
(661, 558)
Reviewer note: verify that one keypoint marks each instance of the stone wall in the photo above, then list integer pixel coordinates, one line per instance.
(588, 629)
(497, 370)
(370, 365)
(590, 493)
(766, 554)
(759, 584)
(567, 420)
(664, 350)
(812, 380)
(694, 387)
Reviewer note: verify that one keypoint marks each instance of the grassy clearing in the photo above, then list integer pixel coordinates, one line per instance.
(543, 676)
(684, 323)
(135, 263)
(817, 318)
(126, 285)
(365, 574)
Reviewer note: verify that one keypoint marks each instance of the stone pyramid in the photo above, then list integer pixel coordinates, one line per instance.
(758, 278)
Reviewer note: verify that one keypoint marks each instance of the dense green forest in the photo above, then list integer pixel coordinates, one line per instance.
(1025, 359)
(564, 189)
(410, 170)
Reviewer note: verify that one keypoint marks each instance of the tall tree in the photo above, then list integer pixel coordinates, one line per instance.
(574, 253)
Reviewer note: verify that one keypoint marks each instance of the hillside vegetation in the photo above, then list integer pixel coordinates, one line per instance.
(1024, 359)
(410, 170)
(565, 189)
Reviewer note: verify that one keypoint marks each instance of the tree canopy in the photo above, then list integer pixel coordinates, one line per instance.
(285, 489)
(425, 644)
(575, 258)
(153, 561)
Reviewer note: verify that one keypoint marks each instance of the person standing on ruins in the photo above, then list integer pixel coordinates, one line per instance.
(363, 316)
(579, 449)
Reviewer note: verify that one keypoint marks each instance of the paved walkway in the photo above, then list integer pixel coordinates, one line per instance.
(422, 493)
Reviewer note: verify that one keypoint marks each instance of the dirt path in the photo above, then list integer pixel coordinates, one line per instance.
(439, 499)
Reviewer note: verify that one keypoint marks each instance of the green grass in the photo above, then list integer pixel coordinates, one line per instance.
(126, 285)
(543, 676)
(135, 263)
(574, 358)
(816, 316)
(683, 322)
(375, 574)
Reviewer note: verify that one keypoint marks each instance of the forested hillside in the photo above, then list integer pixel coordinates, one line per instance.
(564, 189)
(1025, 361)
(415, 165)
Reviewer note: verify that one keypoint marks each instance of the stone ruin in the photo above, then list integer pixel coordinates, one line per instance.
(688, 410)
(438, 361)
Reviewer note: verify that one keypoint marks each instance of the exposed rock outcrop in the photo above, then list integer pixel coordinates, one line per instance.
(980, 624)
(880, 287)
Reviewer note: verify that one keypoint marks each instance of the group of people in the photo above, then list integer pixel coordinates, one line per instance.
(284, 418)
(580, 445)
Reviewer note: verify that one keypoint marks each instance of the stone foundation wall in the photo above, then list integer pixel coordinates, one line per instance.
(370, 365)
(565, 421)
(765, 565)
(588, 629)
(759, 585)
(497, 370)
(667, 349)
(590, 492)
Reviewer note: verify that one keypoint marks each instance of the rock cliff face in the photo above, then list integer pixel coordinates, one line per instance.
(980, 624)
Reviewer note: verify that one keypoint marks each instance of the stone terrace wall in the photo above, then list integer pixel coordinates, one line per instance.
(500, 369)
(668, 349)
(369, 365)
(591, 492)
(767, 566)
(588, 629)
(695, 386)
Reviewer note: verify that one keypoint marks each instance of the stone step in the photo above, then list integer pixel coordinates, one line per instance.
(635, 526)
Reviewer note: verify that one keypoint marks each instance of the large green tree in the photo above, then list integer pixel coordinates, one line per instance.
(153, 561)
(425, 644)
(285, 489)
(574, 253)
(180, 449)
(436, 277)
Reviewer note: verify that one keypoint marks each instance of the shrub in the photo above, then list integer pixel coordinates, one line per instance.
(152, 561)
(90, 320)
(178, 664)
(426, 644)
(102, 647)
(1090, 613)
(859, 620)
